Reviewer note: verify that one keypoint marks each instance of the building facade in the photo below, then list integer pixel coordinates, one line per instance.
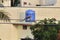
(30, 3)
(15, 30)
(18, 29)
(5, 3)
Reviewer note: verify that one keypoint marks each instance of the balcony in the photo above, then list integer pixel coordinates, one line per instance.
(17, 22)
(20, 22)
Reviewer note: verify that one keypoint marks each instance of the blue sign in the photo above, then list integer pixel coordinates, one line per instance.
(30, 16)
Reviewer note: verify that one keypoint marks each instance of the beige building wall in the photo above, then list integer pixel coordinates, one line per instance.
(12, 32)
(41, 2)
(58, 3)
(32, 2)
(41, 13)
(8, 32)
(7, 3)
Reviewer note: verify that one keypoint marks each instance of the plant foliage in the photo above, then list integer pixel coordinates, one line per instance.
(4, 16)
(46, 29)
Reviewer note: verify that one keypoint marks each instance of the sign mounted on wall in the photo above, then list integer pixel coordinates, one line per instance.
(30, 16)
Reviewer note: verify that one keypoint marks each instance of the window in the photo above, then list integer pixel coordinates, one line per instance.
(25, 27)
(15, 3)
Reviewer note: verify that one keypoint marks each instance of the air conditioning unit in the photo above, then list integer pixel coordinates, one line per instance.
(47, 2)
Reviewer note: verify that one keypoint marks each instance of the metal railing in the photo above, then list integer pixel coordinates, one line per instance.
(15, 21)
(18, 21)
